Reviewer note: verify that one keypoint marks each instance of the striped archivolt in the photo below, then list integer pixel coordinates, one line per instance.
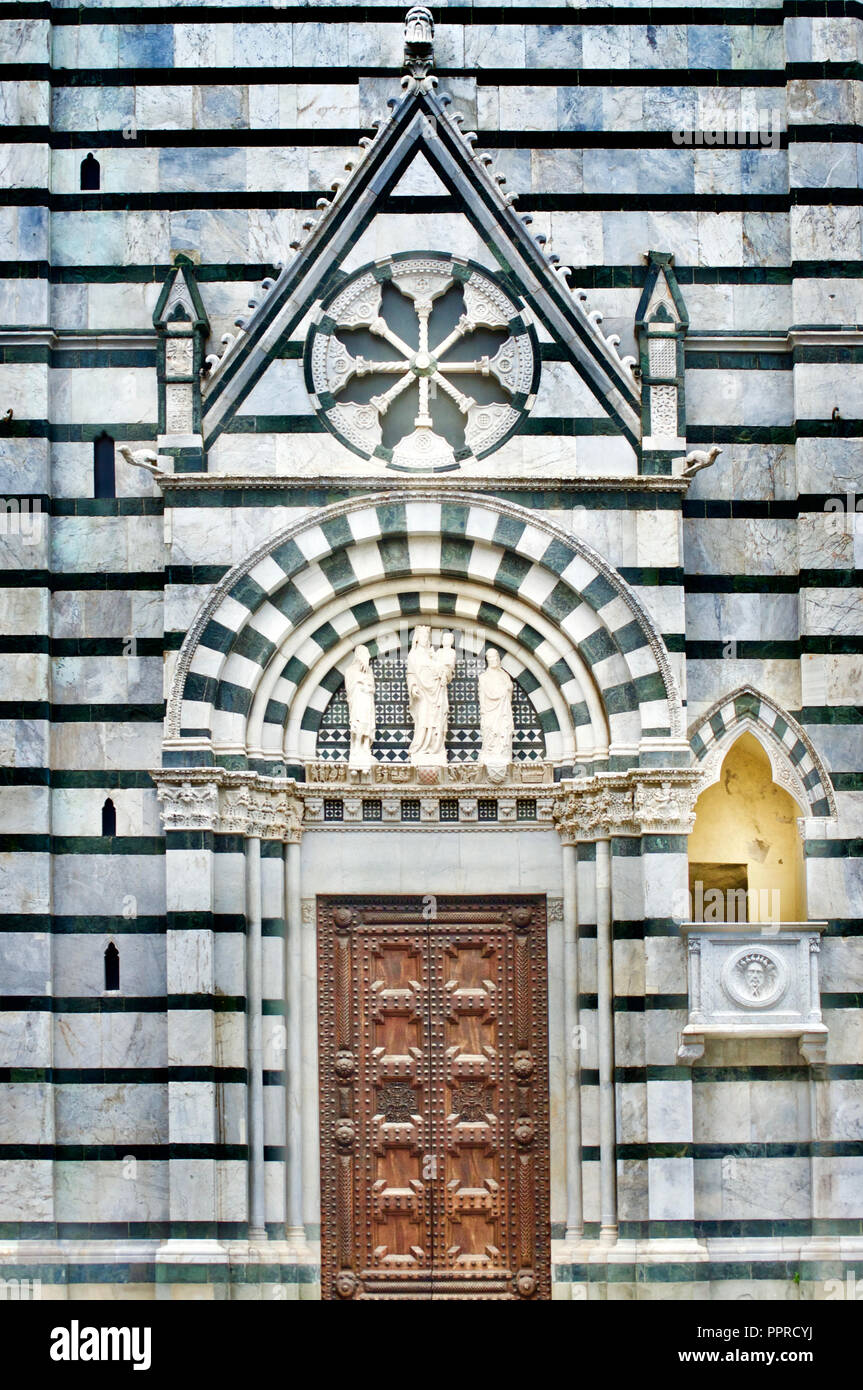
(269, 647)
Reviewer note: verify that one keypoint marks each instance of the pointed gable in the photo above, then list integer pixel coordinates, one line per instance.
(422, 127)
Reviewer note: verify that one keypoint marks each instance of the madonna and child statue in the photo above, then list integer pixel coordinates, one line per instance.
(429, 672)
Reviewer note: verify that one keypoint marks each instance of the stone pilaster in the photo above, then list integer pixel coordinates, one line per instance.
(189, 809)
(181, 323)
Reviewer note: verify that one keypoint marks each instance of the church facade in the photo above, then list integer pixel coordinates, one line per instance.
(431, 729)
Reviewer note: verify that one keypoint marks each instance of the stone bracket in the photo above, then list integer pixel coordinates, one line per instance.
(753, 980)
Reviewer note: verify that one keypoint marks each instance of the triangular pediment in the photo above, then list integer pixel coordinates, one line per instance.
(661, 298)
(422, 142)
(180, 300)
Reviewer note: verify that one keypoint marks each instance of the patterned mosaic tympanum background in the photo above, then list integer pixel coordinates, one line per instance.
(394, 727)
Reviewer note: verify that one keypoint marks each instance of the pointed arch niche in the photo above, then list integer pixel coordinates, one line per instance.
(764, 783)
(745, 850)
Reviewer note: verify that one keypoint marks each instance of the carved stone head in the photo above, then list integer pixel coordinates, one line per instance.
(419, 26)
(419, 41)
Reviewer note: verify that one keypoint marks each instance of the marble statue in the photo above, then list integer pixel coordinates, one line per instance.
(495, 712)
(360, 690)
(419, 41)
(429, 673)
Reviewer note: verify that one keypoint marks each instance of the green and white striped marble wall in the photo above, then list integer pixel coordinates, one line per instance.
(217, 128)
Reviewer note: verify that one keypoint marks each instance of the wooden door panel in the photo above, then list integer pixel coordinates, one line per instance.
(434, 1129)
(393, 1118)
(470, 1231)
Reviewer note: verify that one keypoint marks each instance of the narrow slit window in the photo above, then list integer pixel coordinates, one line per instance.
(104, 484)
(91, 174)
(112, 966)
(109, 818)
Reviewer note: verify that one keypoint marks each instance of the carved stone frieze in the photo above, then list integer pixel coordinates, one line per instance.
(189, 804)
(634, 802)
(452, 775)
(230, 803)
(250, 804)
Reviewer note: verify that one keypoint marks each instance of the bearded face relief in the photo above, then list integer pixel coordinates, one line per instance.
(755, 979)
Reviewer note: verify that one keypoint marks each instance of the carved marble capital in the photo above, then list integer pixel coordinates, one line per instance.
(230, 803)
(189, 802)
(635, 802)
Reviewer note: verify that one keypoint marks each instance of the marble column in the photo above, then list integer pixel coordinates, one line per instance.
(189, 800)
(605, 1046)
(572, 1046)
(254, 1034)
(294, 1227)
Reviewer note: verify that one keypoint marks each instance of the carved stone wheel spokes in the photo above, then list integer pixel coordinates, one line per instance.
(429, 368)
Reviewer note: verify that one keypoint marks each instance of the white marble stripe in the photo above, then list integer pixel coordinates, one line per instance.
(241, 671)
(425, 554)
(537, 584)
(641, 662)
(206, 662)
(533, 543)
(195, 714)
(481, 524)
(364, 525)
(366, 563)
(270, 622)
(578, 573)
(423, 519)
(268, 574)
(616, 613)
(313, 543)
(314, 586)
(231, 614)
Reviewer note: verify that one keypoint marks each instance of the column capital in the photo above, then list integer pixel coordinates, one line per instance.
(189, 799)
(637, 801)
(231, 803)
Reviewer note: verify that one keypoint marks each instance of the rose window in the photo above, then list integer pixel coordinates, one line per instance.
(422, 361)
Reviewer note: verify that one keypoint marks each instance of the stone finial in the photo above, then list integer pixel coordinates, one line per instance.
(419, 41)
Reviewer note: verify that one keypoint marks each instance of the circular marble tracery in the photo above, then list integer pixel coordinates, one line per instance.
(424, 367)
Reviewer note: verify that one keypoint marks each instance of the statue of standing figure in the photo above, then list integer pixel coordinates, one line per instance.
(360, 690)
(495, 712)
(429, 673)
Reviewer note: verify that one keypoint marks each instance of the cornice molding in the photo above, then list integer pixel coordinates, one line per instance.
(421, 484)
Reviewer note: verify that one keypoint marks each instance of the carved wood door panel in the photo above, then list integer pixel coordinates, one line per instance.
(434, 1098)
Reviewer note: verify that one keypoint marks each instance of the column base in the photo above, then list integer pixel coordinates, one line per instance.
(295, 1239)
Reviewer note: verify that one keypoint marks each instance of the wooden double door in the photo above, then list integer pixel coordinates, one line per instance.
(434, 1098)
